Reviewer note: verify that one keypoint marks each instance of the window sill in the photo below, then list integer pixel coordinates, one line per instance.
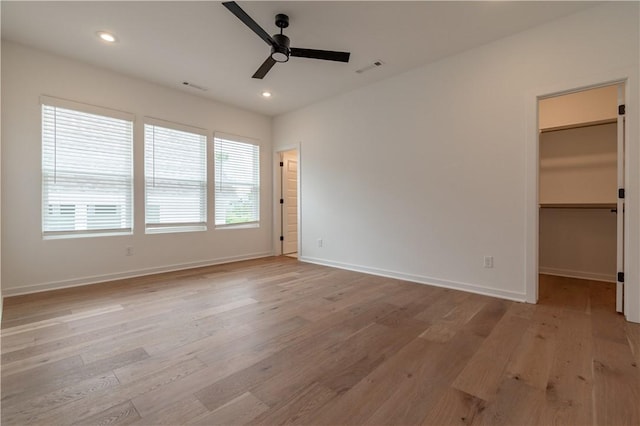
(174, 229)
(81, 234)
(238, 226)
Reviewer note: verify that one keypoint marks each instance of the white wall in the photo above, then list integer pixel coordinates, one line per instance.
(579, 165)
(30, 263)
(579, 243)
(421, 175)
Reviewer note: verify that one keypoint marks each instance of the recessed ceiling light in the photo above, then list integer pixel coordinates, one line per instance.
(105, 36)
(266, 94)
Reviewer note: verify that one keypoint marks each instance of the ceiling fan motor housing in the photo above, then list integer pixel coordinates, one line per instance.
(280, 53)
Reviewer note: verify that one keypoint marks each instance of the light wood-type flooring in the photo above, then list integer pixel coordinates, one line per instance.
(276, 341)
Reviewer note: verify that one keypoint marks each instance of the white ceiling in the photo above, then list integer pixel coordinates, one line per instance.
(203, 43)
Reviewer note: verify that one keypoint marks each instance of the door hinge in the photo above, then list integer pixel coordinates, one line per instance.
(620, 277)
(281, 238)
(282, 164)
(620, 192)
(281, 200)
(621, 109)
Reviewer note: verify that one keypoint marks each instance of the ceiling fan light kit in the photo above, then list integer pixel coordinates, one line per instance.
(281, 52)
(280, 43)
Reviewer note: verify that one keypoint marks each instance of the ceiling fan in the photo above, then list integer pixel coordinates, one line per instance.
(280, 50)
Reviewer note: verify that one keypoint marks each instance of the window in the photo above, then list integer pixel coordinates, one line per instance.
(237, 182)
(87, 170)
(175, 177)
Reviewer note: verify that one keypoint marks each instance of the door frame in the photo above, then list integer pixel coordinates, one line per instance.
(277, 194)
(620, 202)
(632, 183)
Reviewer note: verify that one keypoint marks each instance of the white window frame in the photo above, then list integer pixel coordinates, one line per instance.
(243, 140)
(48, 101)
(155, 228)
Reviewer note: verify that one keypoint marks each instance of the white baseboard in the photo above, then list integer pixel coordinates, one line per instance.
(471, 288)
(97, 279)
(578, 274)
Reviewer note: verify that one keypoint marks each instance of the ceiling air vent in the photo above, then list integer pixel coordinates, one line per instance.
(370, 67)
(195, 86)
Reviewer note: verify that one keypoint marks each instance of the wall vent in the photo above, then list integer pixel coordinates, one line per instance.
(370, 67)
(195, 86)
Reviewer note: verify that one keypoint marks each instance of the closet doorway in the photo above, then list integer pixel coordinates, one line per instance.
(289, 202)
(581, 195)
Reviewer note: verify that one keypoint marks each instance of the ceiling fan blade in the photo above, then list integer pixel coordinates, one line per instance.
(249, 22)
(264, 68)
(327, 55)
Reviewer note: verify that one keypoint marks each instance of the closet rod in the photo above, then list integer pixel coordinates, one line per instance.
(580, 125)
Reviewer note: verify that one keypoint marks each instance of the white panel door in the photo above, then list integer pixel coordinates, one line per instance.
(290, 196)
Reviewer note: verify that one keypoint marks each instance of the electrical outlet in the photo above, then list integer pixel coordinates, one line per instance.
(488, 261)
(129, 251)
(320, 242)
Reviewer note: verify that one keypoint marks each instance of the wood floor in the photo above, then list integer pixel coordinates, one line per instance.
(277, 341)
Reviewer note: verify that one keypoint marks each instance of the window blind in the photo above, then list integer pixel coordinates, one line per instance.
(175, 179)
(87, 170)
(237, 182)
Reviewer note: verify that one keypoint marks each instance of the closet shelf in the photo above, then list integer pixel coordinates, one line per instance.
(579, 125)
(578, 205)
